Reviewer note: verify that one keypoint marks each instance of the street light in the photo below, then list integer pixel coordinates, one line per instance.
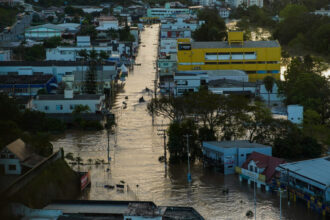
(280, 190)
(188, 152)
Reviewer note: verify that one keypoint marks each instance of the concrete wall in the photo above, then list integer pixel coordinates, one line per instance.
(54, 106)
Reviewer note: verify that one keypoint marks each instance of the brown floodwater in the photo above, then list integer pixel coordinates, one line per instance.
(136, 147)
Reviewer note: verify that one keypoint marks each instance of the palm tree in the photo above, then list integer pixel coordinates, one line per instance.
(103, 56)
(269, 84)
(83, 53)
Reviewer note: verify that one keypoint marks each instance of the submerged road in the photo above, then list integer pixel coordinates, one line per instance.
(135, 150)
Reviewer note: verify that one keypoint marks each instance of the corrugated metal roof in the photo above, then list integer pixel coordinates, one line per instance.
(316, 169)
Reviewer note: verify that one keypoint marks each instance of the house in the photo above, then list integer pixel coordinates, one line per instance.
(322, 12)
(107, 23)
(5, 55)
(226, 155)
(16, 156)
(65, 103)
(295, 113)
(44, 31)
(309, 181)
(259, 168)
(71, 28)
(27, 85)
(55, 68)
(224, 12)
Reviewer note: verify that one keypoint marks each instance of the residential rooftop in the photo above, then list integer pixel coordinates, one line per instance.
(50, 63)
(315, 169)
(235, 144)
(225, 44)
(75, 97)
(25, 79)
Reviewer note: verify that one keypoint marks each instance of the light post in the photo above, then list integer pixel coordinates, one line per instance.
(188, 152)
(255, 197)
(280, 191)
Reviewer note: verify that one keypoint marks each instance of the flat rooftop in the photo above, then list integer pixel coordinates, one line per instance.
(227, 83)
(75, 97)
(225, 44)
(25, 79)
(316, 169)
(235, 144)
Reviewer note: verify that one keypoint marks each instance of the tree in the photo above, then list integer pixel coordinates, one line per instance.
(269, 83)
(214, 28)
(69, 156)
(90, 82)
(52, 42)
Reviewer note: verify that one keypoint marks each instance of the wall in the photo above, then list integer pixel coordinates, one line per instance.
(7, 162)
(68, 105)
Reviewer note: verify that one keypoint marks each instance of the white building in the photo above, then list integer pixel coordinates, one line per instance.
(107, 23)
(15, 156)
(207, 2)
(295, 114)
(188, 82)
(248, 3)
(167, 11)
(167, 46)
(44, 31)
(5, 55)
(226, 155)
(65, 103)
(224, 12)
(322, 12)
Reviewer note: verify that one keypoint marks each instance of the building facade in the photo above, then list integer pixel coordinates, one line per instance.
(226, 155)
(257, 58)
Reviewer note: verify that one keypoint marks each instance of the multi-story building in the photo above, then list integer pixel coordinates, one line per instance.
(248, 3)
(257, 58)
(165, 12)
(224, 12)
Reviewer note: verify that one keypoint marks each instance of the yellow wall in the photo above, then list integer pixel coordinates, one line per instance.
(263, 55)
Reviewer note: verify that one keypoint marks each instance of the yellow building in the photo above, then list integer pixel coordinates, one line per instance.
(257, 58)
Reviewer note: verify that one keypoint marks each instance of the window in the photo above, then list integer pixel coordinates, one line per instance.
(230, 166)
(46, 107)
(72, 107)
(11, 156)
(256, 169)
(3, 156)
(251, 168)
(224, 63)
(242, 155)
(211, 63)
(59, 107)
(12, 167)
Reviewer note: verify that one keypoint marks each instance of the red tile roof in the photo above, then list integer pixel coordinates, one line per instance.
(264, 161)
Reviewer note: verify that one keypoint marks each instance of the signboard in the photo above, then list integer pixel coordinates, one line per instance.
(229, 160)
(85, 180)
(184, 46)
(253, 175)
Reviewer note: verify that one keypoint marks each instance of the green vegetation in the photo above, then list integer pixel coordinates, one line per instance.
(32, 126)
(207, 117)
(34, 53)
(56, 182)
(7, 16)
(214, 28)
(79, 122)
(296, 27)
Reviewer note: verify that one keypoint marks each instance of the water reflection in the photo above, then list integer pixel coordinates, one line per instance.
(135, 160)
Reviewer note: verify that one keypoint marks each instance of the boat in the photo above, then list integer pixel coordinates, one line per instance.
(147, 89)
(141, 99)
(137, 64)
(109, 186)
(126, 97)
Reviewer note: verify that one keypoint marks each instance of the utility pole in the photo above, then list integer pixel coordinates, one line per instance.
(255, 198)
(163, 133)
(188, 152)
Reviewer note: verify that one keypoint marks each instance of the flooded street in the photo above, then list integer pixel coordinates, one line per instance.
(135, 149)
